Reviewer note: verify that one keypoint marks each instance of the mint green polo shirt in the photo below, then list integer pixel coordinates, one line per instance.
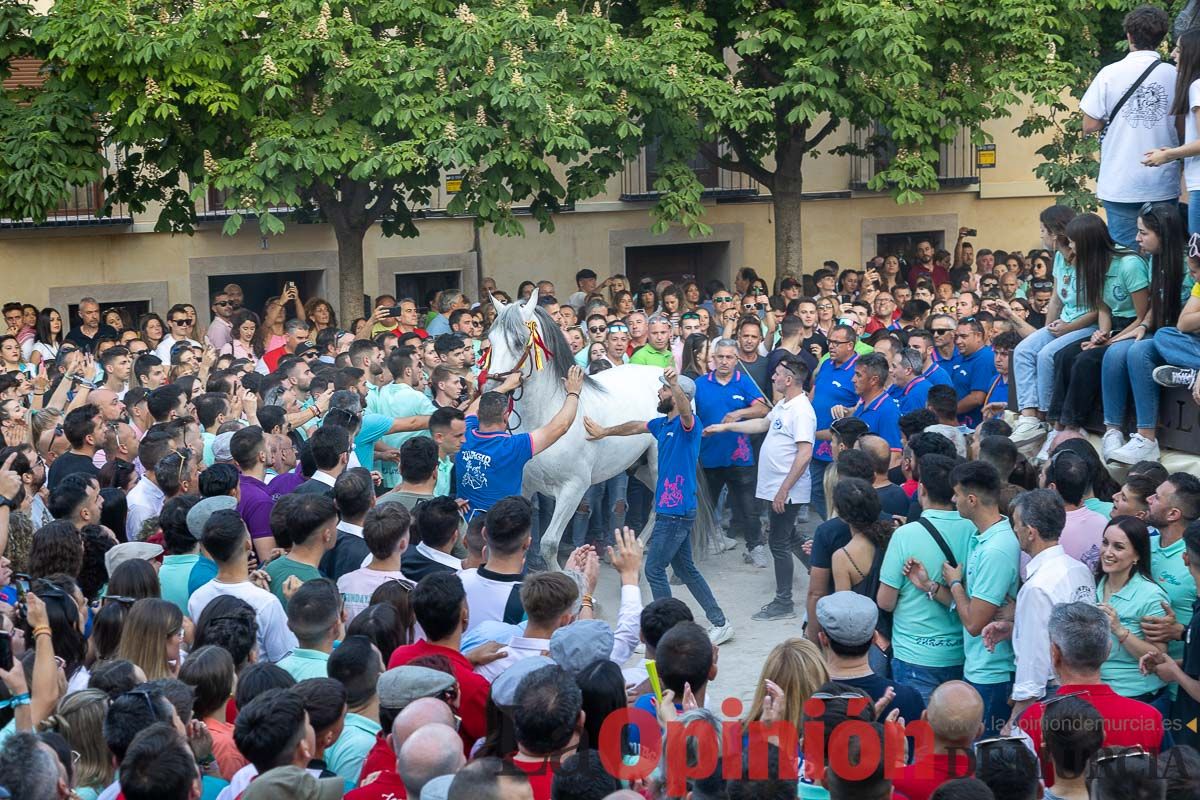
(1136, 599)
(397, 400)
(1099, 506)
(993, 558)
(347, 754)
(925, 632)
(303, 664)
(650, 357)
(1173, 577)
(1066, 286)
(1127, 273)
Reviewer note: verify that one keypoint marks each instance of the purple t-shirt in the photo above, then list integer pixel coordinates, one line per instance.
(255, 506)
(285, 483)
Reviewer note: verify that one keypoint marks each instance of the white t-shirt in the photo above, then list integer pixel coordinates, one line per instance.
(1143, 124)
(1191, 165)
(357, 587)
(791, 422)
(489, 594)
(275, 638)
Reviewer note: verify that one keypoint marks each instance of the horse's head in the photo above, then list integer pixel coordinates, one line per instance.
(517, 340)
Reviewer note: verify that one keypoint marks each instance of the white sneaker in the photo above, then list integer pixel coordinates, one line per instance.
(802, 514)
(1044, 454)
(1113, 440)
(725, 543)
(760, 558)
(720, 635)
(1138, 449)
(1027, 429)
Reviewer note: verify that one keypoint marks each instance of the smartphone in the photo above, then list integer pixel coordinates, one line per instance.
(6, 653)
(393, 311)
(971, 232)
(289, 286)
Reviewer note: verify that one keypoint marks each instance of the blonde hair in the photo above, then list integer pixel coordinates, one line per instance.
(148, 625)
(797, 667)
(79, 719)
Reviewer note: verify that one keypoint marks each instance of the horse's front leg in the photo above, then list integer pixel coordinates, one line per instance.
(566, 502)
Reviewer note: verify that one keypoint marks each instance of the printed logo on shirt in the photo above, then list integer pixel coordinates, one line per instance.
(1120, 293)
(742, 451)
(1147, 107)
(672, 492)
(474, 469)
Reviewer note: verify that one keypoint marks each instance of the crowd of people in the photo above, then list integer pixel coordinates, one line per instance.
(268, 556)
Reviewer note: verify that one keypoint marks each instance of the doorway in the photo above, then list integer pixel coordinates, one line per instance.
(679, 263)
(905, 244)
(257, 288)
(424, 286)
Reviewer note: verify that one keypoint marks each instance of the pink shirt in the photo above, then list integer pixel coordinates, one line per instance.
(1082, 534)
(357, 587)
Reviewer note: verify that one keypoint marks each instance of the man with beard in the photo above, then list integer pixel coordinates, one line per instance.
(678, 438)
(1173, 507)
(403, 397)
(295, 332)
(367, 356)
(924, 267)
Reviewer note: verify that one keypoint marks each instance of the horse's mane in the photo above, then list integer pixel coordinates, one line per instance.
(516, 336)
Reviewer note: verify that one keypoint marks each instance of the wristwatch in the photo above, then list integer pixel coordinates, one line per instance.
(7, 502)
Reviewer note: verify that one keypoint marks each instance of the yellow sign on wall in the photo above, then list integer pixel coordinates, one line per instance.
(985, 156)
(454, 183)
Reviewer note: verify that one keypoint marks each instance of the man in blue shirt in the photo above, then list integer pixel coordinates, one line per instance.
(728, 394)
(875, 406)
(833, 385)
(921, 340)
(974, 372)
(491, 460)
(678, 438)
(909, 388)
(945, 352)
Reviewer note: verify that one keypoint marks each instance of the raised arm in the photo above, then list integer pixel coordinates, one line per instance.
(597, 431)
(682, 404)
(553, 430)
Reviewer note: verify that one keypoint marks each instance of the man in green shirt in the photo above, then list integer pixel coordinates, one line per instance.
(927, 638)
(656, 352)
(309, 521)
(315, 615)
(988, 584)
(1173, 506)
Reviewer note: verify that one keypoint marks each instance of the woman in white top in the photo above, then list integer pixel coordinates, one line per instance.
(49, 336)
(1187, 105)
(245, 343)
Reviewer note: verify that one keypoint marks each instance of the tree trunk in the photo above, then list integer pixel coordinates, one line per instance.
(350, 273)
(789, 246)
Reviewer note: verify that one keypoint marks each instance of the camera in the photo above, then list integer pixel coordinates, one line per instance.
(970, 232)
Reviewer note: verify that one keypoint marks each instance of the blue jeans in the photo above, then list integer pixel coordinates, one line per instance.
(996, 710)
(1033, 365)
(816, 471)
(1193, 212)
(1115, 381)
(1122, 222)
(1169, 346)
(924, 679)
(602, 517)
(671, 543)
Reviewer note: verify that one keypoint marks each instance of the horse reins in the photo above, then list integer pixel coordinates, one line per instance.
(535, 345)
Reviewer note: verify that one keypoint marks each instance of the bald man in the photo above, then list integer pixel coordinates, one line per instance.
(489, 779)
(955, 715)
(430, 752)
(891, 497)
(381, 761)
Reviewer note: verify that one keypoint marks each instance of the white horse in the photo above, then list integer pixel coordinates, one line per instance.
(525, 338)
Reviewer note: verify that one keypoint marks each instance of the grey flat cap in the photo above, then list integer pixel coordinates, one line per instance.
(400, 686)
(581, 643)
(847, 617)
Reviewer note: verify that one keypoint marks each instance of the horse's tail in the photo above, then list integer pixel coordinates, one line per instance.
(706, 533)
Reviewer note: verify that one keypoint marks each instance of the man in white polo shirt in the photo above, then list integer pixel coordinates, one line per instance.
(783, 478)
(1141, 124)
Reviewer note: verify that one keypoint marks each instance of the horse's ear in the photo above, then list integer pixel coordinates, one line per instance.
(530, 305)
(497, 303)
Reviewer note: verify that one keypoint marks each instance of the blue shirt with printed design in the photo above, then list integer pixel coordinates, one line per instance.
(490, 465)
(678, 449)
(882, 416)
(832, 386)
(974, 373)
(713, 402)
(947, 364)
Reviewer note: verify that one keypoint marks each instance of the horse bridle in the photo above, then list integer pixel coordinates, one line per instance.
(534, 346)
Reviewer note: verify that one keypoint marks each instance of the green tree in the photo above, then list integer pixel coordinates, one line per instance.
(921, 69)
(350, 111)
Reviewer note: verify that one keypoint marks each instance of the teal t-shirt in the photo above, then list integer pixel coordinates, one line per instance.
(181, 575)
(1136, 599)
(398, 400)
(374, 427)
(303, 664)
(284, 567)
(1099, 506)
(924, 631)
(993, 558)
(1127, 274)
(1173, 577)
(347, 754)
(1066, 285)
(208, 439)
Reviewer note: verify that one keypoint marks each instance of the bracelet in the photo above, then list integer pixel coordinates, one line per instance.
(573, 394)
(955, 582)
(42, 630)
(15, 700)
(587, 598)
(1121, 639)
(933, 590)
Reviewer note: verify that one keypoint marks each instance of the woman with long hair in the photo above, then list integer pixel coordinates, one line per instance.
(117, 318)
(848, 284)
(135, 578)
(694, 358)
(152, 329)
(383, 625)
(1160, 235)
(1122, 305)
(1187, 105)
(1127, 592)
(673, 303)
(10, 357)
(48, 336)
(691, 294)
(890, 276)
(79, 718)
(827, 310)
(245, 341)
(603, 688)
(66, 612)
(151, 637)
(1070, 317)
(792, 672)
(320, 314)
(855, 566)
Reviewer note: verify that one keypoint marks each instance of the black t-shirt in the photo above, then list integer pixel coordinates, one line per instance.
(1185, 706)
(757, 370)
(817, 338)
(780, 353)
(77, 337)
(894, 500)
(1036, 320)
(69, 464)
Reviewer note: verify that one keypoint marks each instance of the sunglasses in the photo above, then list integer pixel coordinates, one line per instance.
(940, 331)
(181, 322)
(618, 329)
(724, 299)
(597, 329)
